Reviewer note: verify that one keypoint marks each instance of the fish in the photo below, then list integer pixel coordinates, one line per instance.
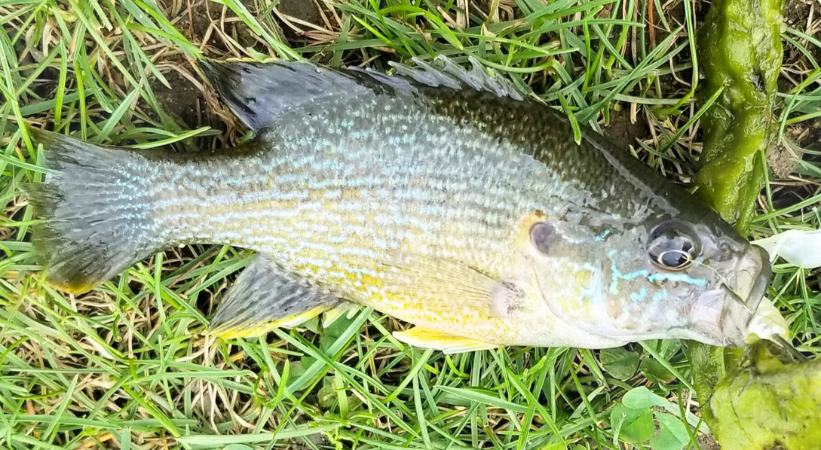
(442, 196)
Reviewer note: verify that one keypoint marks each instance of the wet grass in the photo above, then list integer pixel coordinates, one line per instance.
(126, 366)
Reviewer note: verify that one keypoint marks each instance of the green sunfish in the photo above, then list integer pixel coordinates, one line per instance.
(438, 195)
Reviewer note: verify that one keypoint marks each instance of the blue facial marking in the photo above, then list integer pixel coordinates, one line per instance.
(616, 275)
(640, 295)
(660, 295)
(681, 277)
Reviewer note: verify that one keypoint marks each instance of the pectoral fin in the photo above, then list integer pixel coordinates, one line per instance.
(460, 286)
(426, 338)
(263, 298)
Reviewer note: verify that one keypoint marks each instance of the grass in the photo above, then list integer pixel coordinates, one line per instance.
(126, 366)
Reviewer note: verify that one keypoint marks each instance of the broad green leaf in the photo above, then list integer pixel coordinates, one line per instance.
(632, 425)
(672, 433)
(642, 398)
(619, 362)
(655, 371)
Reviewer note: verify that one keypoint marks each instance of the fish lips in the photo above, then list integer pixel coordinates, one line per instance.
(755, 271)
(762, 280)
(722, 316)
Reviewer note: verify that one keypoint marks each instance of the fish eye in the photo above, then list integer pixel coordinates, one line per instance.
(542, 236)
(673, 246)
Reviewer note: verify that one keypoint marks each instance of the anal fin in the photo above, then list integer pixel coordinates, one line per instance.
(264, 298)
(426, 338)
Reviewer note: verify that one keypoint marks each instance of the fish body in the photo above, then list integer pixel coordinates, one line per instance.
(438, 196)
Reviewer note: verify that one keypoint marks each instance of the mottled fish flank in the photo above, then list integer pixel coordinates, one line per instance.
(440, 196)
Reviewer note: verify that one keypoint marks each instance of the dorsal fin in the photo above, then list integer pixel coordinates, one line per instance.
(259, 93)
(454, 76)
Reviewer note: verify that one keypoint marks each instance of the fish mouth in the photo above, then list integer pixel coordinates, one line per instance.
(754, 271)
(722, 316)
(762, 280)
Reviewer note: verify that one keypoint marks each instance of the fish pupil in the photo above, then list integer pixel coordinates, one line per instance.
(672, 246)
(673, 258)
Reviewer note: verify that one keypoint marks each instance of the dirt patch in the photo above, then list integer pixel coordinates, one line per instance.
(796, 13)
(305, 10)
(294, 11)
(787, 191)
(622, 132)
(205, 23)
(781, 160)
(707, 442)
(183, 100)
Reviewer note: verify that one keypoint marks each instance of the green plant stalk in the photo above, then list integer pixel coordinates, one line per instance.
(750, 401)
(740, 51)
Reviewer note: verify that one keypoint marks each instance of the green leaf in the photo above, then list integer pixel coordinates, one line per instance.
(333, 332)
(632, 425)
(619, 362)
(642, 398)
(672, 434)
(326, 397)
(553, 446)
(655, 371)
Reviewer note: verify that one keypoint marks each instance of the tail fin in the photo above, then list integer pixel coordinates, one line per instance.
(95, 213)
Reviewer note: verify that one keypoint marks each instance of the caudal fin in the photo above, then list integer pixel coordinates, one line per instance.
(94, 213)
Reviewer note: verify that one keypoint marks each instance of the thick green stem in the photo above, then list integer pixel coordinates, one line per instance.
(750, 400)
(739, 50)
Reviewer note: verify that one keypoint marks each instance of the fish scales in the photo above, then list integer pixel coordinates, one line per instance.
(423, 202)
(420, 191)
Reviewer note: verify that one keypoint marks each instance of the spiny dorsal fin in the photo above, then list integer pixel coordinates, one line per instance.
(260, 93)
(263, 298)
(454, 76)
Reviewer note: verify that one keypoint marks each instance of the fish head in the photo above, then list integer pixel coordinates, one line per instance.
(670, 277)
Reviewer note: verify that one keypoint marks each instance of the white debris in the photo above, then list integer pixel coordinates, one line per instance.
(797, 247)
(767, 323)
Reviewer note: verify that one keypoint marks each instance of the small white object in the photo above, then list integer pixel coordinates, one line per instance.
(767, 323)
(797, 247)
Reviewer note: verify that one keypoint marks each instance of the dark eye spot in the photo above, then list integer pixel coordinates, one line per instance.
(674, 258)
(673, 245)
(543, 235)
